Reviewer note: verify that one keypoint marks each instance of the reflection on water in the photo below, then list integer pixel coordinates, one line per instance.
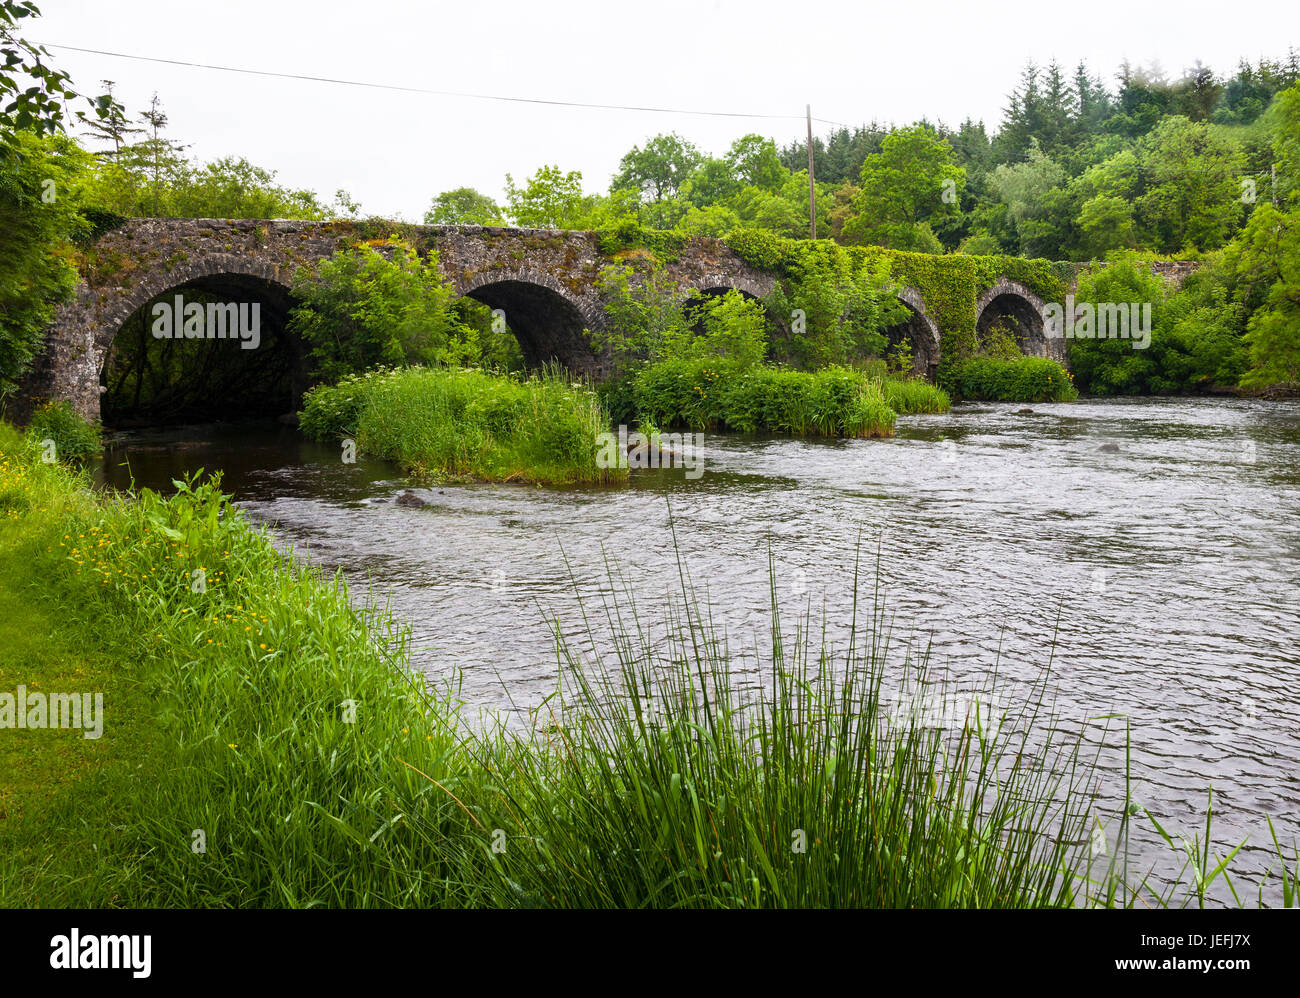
(1149, 548)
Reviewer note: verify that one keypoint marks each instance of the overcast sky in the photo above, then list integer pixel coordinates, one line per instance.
(854, 62)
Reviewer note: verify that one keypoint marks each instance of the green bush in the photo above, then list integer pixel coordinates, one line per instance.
(74, 438)
(1025, 379)
(718, 394)
(363, 307)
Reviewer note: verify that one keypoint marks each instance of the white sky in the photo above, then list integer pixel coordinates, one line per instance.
(854, 62)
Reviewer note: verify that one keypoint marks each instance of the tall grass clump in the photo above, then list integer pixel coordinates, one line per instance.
(659, 783)
(466, 424)
(911, 396)
(653, 780)
(73, 438)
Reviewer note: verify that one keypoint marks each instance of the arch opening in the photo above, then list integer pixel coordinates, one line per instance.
(913, 343)
(1010, 314)
(698, 299)
(211, 349)
(549, 327)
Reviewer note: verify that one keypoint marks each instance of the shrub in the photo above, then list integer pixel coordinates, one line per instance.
(1025, 379)
(363, 307)
(710, 394)
(74, 438)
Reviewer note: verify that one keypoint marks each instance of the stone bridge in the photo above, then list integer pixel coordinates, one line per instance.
(546, 281)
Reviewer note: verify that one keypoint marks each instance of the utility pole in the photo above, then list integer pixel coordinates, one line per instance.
(812, 184)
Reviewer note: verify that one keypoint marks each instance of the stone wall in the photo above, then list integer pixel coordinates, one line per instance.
(544, 280)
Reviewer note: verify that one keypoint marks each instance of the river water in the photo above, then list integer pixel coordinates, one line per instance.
(1149, 548)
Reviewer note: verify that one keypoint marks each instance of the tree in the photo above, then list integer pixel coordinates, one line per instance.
(40, 178)
(463, 206)
(909, 188)
(643, 313)
(232, 187)
(711, 220)
(711, 183)
(32, 93)
(1106, 223)
(364, 307)
(1033, 191)
(39, 212)
(549, 199)
(1284, 118)
(1193, 198)
(1198, 93)
(160, 160)
(659, 170)
(730, 326)
(1266, 256)
(754, 162)
(1143, 98)
(114, 126)
(842, 315)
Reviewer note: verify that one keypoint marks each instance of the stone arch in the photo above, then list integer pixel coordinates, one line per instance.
(275, 366)
(209, 269)
(1012, 305)
(753, 285)
(920, 332)
(549, 323)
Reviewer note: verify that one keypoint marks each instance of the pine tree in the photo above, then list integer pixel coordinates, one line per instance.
(113, 127)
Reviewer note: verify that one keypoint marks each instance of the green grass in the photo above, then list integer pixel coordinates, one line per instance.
(912, 395)
(459, 424)
(279, 721)
(63, 798)
(68, 436)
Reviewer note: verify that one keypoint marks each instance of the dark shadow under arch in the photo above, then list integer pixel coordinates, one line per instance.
(148, 380)
(549, 327)
(1017, 312)
(919, 333)
(701, 295)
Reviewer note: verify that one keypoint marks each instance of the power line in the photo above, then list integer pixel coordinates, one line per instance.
(445, 93)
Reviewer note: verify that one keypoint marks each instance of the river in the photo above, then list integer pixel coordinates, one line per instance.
(1149, 547)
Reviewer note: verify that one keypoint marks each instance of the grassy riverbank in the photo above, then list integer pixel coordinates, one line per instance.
(459, 424)
(264, 746)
